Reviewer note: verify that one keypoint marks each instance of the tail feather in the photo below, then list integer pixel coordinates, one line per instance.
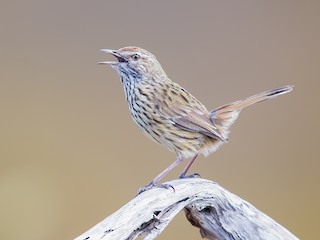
(223, 117)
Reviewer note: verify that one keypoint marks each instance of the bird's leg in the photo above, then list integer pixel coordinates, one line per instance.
(154, 182)
(185, 170)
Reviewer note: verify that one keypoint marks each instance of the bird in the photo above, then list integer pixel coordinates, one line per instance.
(170, 115)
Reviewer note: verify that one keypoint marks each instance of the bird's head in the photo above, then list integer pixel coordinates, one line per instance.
(135, 63)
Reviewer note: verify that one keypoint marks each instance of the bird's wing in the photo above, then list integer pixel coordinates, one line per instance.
(189, 119)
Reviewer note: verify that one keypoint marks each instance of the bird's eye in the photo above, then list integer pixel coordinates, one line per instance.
(135, 57)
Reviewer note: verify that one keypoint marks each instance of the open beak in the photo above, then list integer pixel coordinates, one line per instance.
(114, 53)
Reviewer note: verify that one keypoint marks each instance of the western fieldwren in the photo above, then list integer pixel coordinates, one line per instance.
(169, 114)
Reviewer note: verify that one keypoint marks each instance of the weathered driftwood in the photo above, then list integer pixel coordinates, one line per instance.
(218, 214)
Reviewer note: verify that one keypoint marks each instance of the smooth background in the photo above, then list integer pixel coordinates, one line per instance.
(70, 153)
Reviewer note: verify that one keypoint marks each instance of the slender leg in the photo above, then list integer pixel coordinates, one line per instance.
(155, 181)
(185, 170)
(167, 170)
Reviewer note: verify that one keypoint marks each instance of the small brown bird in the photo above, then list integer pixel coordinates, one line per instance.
(169, 114)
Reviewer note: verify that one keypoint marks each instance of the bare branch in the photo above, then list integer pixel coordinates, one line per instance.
(218, 214)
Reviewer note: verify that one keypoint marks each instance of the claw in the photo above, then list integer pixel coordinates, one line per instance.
(194, 175)
(152, 185)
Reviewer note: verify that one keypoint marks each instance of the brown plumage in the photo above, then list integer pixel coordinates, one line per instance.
(169, 114)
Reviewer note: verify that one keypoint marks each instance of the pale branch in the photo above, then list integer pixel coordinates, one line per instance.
(218, 214)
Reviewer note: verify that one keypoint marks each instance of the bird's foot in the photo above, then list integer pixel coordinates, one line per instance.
(153, 185)
(194, 175)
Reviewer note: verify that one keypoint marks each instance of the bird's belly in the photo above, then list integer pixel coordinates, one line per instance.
(183, 143)
(163, 131)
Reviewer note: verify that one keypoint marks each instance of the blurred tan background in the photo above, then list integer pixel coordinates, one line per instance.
(70, 154)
